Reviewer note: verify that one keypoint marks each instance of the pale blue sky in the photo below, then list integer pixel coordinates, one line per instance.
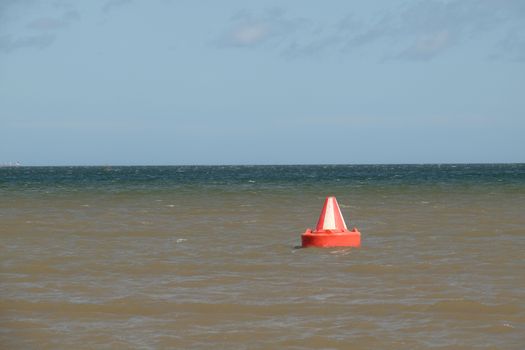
(261, 82)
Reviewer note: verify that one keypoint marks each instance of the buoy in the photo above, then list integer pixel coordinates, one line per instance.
(331, 229)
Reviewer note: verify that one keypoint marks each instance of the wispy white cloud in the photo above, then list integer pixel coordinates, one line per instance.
(249, 34)
(111, 5)
(427, 46)
(419, 30)
(272, 26)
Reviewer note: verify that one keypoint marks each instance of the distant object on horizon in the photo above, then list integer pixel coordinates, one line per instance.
(10, 164)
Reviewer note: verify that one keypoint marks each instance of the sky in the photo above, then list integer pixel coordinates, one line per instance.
(168, 82)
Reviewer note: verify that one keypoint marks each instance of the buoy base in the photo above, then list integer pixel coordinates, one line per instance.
(331, 239)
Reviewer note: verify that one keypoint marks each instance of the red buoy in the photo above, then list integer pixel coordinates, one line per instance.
(331, 229)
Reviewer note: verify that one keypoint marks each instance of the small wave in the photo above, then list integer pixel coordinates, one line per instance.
(141, 307)
(341, 251)
(373, 268)
(322, 297)
(478, 233)
(500, 328)
(472, 307)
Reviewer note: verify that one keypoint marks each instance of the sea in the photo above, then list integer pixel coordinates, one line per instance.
(209, 257)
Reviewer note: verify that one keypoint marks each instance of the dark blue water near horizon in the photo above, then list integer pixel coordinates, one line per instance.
(424, 174)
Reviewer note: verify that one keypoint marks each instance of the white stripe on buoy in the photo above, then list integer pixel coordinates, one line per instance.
(329, 219)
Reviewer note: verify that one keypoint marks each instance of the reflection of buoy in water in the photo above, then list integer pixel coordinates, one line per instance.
(331, 229)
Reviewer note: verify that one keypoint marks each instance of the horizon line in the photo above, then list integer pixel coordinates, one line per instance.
(7, 165)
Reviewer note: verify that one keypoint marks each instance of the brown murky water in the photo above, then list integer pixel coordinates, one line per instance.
(196, 267)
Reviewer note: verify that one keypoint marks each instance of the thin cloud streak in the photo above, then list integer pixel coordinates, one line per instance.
(47, 24)
(40, 32)
(9, 44)
(271, 27)
(51, 23)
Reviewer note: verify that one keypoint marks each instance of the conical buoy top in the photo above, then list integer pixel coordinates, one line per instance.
(331, 218)
(331, 229)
